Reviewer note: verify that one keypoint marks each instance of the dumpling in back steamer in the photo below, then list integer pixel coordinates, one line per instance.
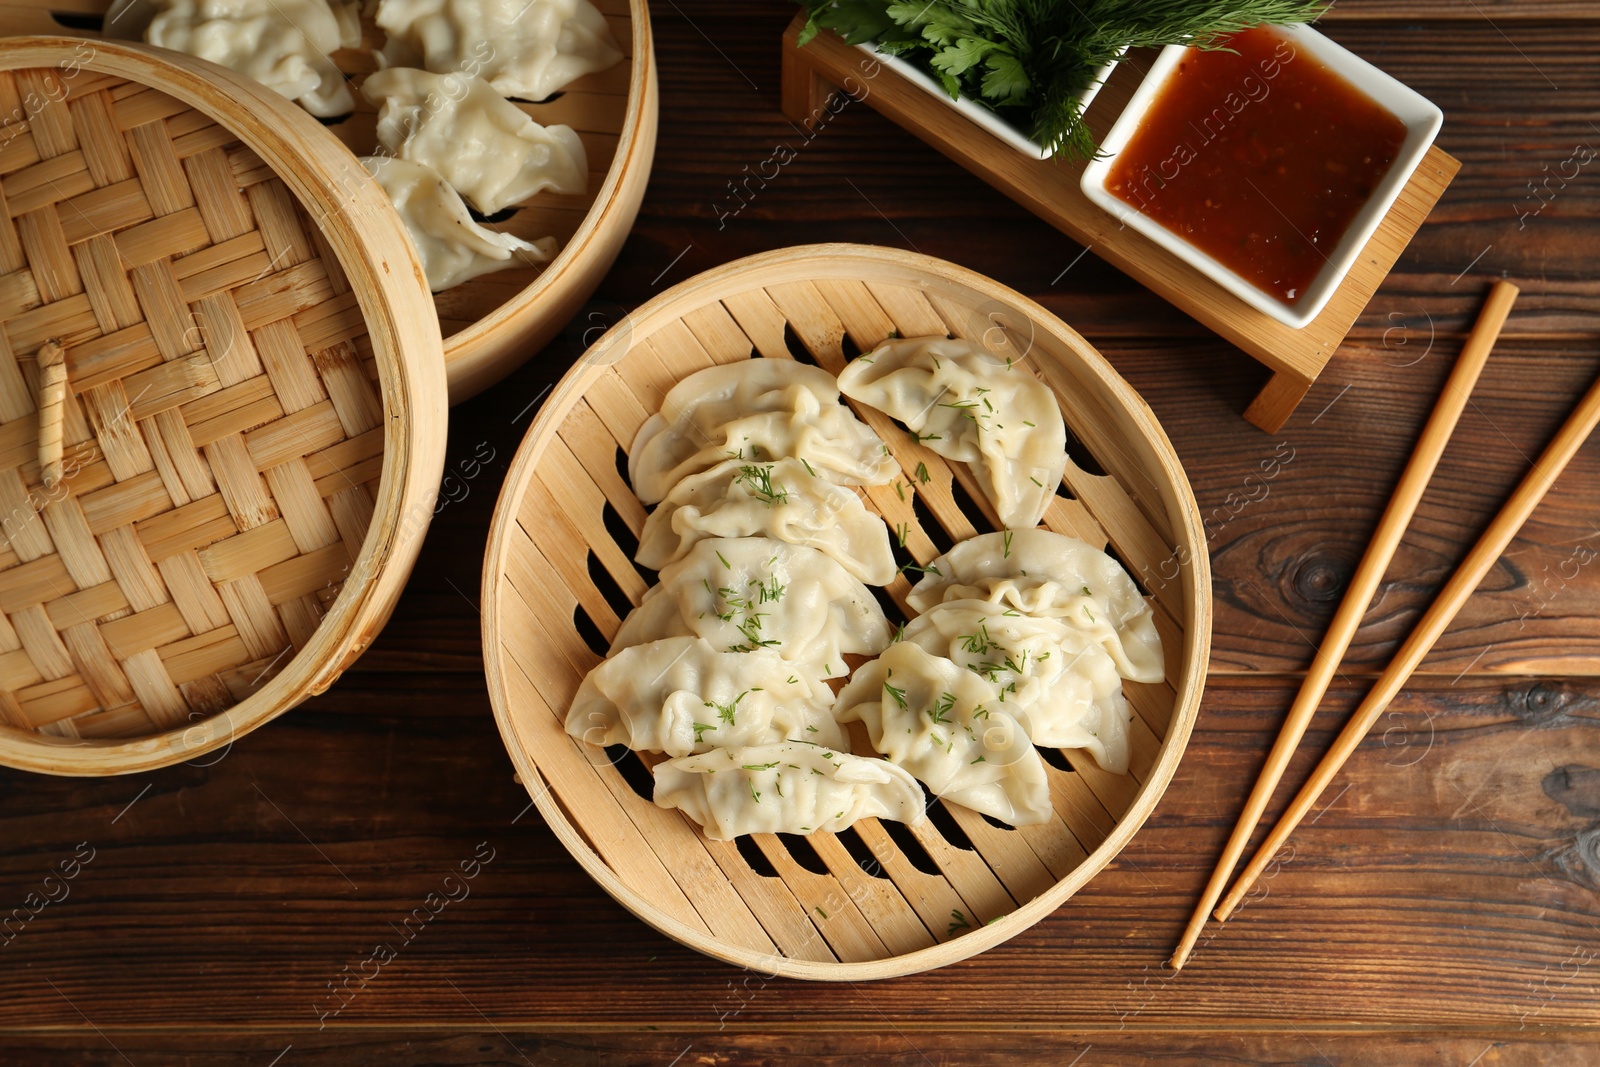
(951, 730)
(1043, 573)
(970, 405)
(680, 695)
(756, 410)
(452, 247)
(524, 48)
(283, 44)
(745, 593)
(785, 500)
(481, 143)
(785, 789)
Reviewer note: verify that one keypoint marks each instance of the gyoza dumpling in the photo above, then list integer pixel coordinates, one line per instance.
(481, 143)
(785, 789)
(1061, 685)
(785, 500)
(968, 404)
(755, 409)
(745, 593)
(452, 247)
(1043, 573)
(680, 695)
(524, 48)
(950, 729)
(283, 44)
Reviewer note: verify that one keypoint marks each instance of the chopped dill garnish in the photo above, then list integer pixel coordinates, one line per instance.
(896, 692)
(761, 486)
(978, 643)
(1008, 545)
(901, 532)
(726, 712)
(760, 766)
(940, 712)
(809, 469)
(922, 473)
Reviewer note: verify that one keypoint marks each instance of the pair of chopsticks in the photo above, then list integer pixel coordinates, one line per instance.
(1364, 584)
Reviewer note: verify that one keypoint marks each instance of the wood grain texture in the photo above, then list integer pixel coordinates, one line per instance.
(907, 1047)
(1430, 916)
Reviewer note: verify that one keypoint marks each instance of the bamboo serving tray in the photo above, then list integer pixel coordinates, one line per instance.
(879, 899)
(1049, 189)
(252, 419)
(493, 323)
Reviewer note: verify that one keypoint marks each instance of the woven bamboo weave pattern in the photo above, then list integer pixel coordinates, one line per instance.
(223, 426)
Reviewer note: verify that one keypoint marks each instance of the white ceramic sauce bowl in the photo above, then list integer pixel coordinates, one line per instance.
(1421, 117)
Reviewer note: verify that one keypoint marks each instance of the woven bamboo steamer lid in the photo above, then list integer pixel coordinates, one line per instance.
(493, 323)
(253, 419)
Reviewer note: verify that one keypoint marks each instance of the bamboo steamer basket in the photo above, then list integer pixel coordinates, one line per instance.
(878, 900)
(253, 417)
(494, 323)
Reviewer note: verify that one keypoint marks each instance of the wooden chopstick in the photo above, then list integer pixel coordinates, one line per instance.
(1385, 539)
(1534, 485)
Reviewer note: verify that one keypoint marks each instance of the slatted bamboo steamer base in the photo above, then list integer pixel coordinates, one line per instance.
(254, 419)
(880, 899)
(493, 323)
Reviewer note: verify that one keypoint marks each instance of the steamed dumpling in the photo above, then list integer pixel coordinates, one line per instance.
(785, 789)
(755, 410)
(283, 44)
(785, 500)
(747, 593)
(970, 405)
(1060, 685)
(680, 695)
(482, 144)
(524, 48)
(1042, 573)
(453, 248)
(951, 729)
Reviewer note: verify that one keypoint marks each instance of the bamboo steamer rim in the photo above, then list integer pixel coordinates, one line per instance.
(386, 279)
(808, 263)
(475, 356)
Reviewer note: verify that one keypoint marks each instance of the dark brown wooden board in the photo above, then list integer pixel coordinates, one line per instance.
(1442, 910)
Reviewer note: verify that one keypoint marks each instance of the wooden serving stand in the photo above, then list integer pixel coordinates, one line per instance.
(1049, 189)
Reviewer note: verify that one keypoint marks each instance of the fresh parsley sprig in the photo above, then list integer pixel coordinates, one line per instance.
(1031, 60)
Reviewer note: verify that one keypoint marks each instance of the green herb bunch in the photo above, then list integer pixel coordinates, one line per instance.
(1031, 60)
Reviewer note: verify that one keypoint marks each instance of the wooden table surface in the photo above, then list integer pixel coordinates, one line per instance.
(1440, 908)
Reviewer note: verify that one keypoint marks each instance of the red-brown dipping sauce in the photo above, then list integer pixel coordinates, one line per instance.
(1261, 157)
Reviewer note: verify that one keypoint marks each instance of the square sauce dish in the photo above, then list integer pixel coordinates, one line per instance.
(1267, 166)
